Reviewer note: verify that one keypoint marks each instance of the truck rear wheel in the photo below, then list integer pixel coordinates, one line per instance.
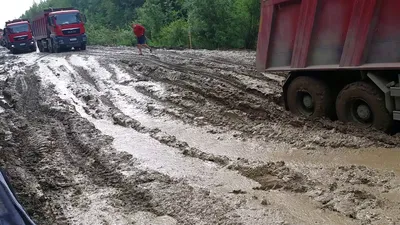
(363, 104)
(56, 48)
(309, 97)
(50, 46)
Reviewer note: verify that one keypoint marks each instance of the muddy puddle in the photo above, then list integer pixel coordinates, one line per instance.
(380, 159)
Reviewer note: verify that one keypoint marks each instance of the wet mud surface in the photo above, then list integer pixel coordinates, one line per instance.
(181, 137)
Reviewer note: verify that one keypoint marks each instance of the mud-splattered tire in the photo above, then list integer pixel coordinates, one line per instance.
(363, 104)
(56, 48)
(310, 97)
(50, 46)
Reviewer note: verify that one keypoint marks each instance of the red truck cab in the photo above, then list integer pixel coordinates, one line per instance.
(61, 28)
(18, 36)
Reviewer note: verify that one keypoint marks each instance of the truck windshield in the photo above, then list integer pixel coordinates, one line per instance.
(15, 29)
(68, 18)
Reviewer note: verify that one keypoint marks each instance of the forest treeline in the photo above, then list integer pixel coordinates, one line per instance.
(210, 24)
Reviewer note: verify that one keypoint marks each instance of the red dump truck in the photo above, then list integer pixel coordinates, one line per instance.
(60, 29)
(343, 57)
(18, 36)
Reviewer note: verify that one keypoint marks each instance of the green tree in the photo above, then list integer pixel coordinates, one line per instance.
(175, 34)
(248, 14)
(213, 23)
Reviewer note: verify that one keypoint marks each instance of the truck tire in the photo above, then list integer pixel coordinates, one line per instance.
(309, 97)
(83, 47)
(363, 104)
(50, 46)
(56, 48)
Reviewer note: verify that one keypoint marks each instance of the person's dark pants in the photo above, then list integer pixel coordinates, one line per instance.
(141, 40)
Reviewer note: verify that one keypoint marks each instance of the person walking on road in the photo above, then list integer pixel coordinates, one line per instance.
(139, 31)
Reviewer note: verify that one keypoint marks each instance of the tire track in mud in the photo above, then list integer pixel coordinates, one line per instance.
(67, 146)
(248, 72)
(169, 140)
(277, 176)
(188, 151)
(272, 176)
(225, 64)
(214, 91)
(91, 156)
(284, 117)
(275, 114)
(231, 82)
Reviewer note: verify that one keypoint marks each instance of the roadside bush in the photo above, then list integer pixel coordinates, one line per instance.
(99, 35)
(174, 35)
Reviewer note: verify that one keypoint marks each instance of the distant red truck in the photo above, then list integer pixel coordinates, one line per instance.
(60, 29)
(17, 36)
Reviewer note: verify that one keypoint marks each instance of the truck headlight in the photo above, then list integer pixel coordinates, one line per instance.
(32, 43)
(12, 46)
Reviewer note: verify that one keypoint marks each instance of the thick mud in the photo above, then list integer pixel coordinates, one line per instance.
(181, 137)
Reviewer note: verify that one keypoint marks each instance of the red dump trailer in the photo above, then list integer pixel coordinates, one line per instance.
(343, 57)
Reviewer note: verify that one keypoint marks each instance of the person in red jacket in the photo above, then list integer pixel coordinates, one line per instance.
(139, 31)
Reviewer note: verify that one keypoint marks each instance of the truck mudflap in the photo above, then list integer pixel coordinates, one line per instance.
(75, 41)
(11, 212)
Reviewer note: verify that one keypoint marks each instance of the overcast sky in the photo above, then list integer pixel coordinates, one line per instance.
(13, 9)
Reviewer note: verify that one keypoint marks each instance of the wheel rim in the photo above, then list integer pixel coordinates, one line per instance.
(361, 112)
(305, 103)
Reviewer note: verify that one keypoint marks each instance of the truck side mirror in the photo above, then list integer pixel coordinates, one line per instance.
(84, 18)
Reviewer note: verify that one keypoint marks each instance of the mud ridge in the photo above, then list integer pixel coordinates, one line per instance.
(171, 141)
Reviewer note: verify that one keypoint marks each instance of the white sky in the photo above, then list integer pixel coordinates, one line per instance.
(14, 9)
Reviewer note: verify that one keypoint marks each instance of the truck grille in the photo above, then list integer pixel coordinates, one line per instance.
(71, 31)
(21, 38)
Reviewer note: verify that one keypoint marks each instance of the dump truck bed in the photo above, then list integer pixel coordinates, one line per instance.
(329, 35)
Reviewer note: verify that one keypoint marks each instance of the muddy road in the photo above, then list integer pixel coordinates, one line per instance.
(181, 137)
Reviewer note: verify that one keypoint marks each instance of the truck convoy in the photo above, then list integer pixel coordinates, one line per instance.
(342, 56)
(60, 29)
(17, 36)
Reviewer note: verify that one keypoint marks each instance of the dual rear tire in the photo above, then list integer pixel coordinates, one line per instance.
(360, 103)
